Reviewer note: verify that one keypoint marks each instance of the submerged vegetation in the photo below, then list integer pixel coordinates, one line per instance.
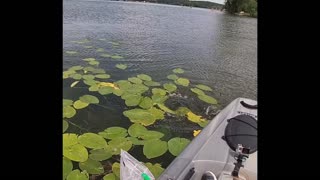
(95, 155)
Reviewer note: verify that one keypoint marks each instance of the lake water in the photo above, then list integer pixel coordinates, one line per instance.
(214, 48)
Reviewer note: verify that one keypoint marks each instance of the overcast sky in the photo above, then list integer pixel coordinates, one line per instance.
(215, 1)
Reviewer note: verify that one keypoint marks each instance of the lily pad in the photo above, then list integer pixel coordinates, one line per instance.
(182, 81)
(123, 84)
(110, 176)
(99, 71)
(203, 123)
(193, 117)
(75, 152)
(105, 90)
(65, 126)
(197, 91)
(144, 77)
(71, 52)
(146, 103)
(69, 72)
(136, 130)
(91, 166)
(88, 47)
(157, 98)
(151, 83)
(136, 141)
(100, 50)
(69, 139)
(170, 87)
(133, 100)
(75, 68)
(89, 59)
(135, 80)
(208, 99)
(182, 111)
(93, 88)
(116, 57)
(68, 112)
(91, 140)
(159, 91)
(148, 135)
(140, 116)
(114, 132)
(166, 109)
(121, 66)
(204, 87)
(154, 148)
(178, 71)
(156, 113)
(90, 82)
(76, 76)
(67, 167)
(88, 68)
(89, 99)
(155, 169)
(77, 175)
(100, 154)
(74, 83)
(117, 92)
(116, 169)
(88, 76)
(67, 102)
(119, 143)
(137, 89)
(172, 77)
(79, 104)
(105, 55)
(176, 145)
(94, 62)
(102, 76)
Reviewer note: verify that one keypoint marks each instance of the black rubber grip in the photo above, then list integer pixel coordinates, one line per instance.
(249, 106)
(189, 174)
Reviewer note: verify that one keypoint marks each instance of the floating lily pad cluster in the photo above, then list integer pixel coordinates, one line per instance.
(145, 100)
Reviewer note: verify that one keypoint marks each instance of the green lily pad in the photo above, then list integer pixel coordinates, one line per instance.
(140, 116)
(144, 77)
(119, 143)
(115, 43)
(157, 98)
(69, 72)
(166, 109)
(176, 145)
(91, 166)
(154, 148)
(156, 113)
(79, 104)
(69, 139)
(90, 82)
(172, 77)
(110, 176)
(114, 132)
(204, 87)
(75, 152)
(117, 92)
(99, 71)
(105, 55)
(151, 83)
(208, 99)
(155, 169)
(67, 167)
(77, 175)
(148, 135)
(116, 169)
(91, 140)
(170, 87)
(88, 76)
(133, 100)
(105, 90)
(100, 154)
(71, 52)
(182, 81)
(203, 123)
(102, 76)
(68, 112)
(136, 130)
(93, 88)
(89, 59)
(76, 76)
(137, 89)
(135, 80)
(136, 141)
(197, 91)
(182, 111)
(121, 66)
(94, 63)
(159, 91)
(89, 69)
(178, 71)
(74, 83)
(116, 57)
(100, 50)
(65, 126)
(65, 76)
(89, 99)
(146, 103)
(67, 102)
(193, 117)
(75, 68)
(88, 47)
(123, 84)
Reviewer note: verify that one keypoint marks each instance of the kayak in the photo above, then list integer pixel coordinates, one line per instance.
(227, 147)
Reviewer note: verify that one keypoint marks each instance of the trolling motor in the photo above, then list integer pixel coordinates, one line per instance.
(241, 156)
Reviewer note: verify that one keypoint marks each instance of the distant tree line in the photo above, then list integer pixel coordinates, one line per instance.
(247, 6)
(200, 4)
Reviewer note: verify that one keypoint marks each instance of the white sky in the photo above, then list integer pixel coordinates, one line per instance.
(215, 1)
